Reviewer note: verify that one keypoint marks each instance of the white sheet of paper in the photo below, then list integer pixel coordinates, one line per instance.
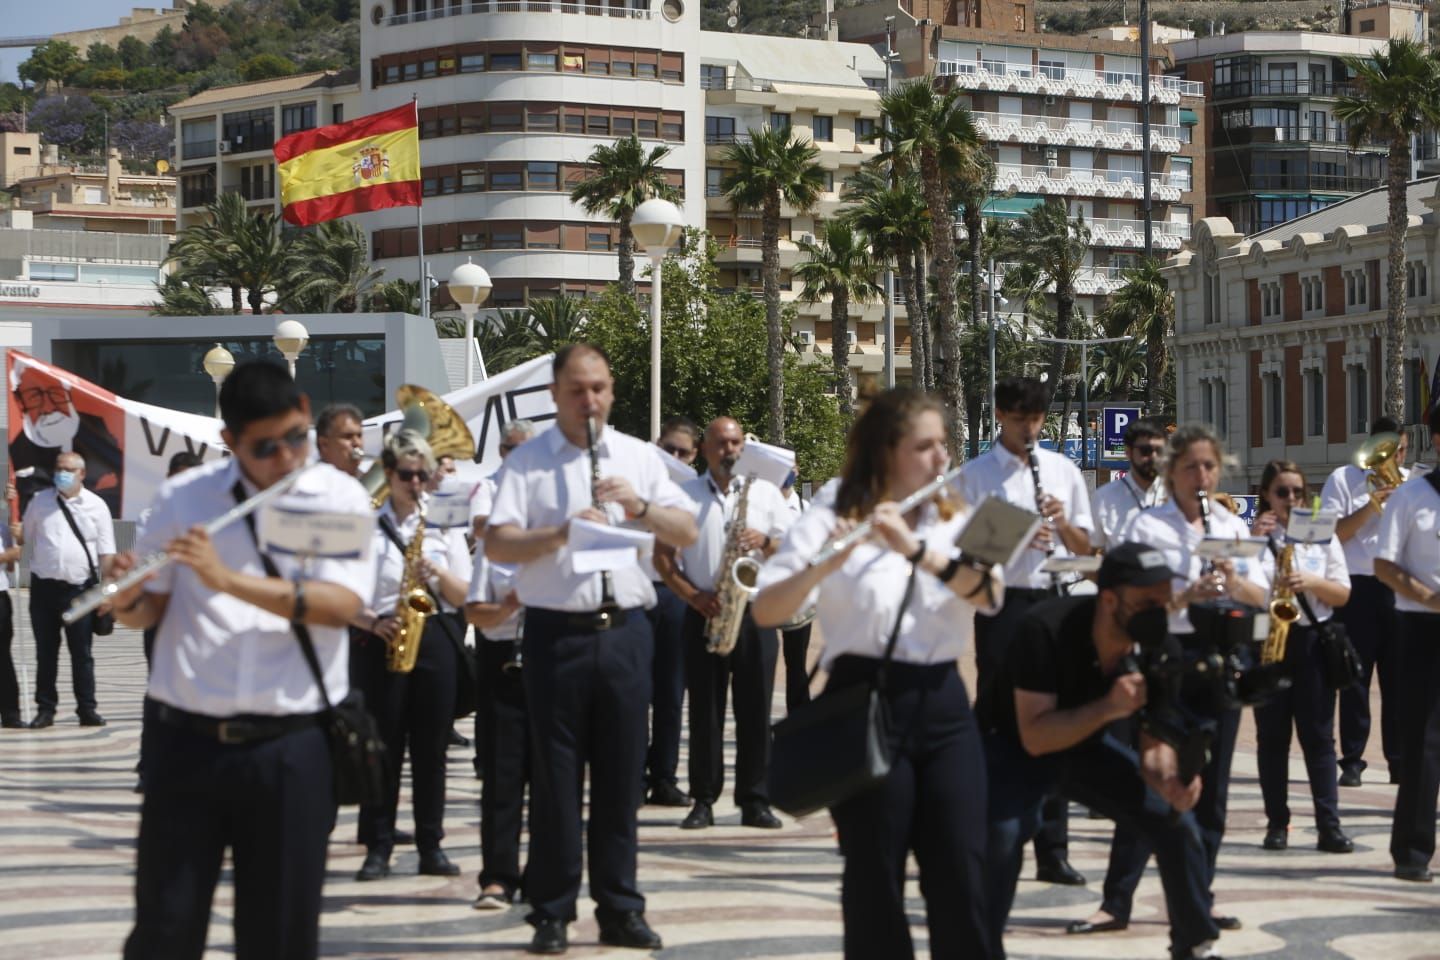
(593, 561)
(1232, 548)
(448, 510)
(998, 531)
(1308, 527)
(765, 461)
(601, 546)
(285, 529)
(680, 471)
(1070, 564)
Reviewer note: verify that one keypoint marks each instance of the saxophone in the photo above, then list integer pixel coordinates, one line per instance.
(1283, 611)
(738, 575)
(414, 606)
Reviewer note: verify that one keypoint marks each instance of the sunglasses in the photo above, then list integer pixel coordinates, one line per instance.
(267, 448)
(1149, 451)
(675, 451)
(1294, 492)
(408, 475)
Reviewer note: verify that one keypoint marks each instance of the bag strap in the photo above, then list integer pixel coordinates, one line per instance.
(302, 632)
(895, 630)
(70, 518)
(393, 536)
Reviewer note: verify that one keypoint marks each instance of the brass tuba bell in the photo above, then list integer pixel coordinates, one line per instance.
(1379, 456)
(435, 420)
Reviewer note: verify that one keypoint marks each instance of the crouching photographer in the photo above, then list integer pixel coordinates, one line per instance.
(1069, 674)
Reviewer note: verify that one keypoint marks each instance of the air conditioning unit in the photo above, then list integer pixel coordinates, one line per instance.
(851, 338)
(1049, 101)
(807, 238)
(224, 146)
(805, 338)
(1032, 148)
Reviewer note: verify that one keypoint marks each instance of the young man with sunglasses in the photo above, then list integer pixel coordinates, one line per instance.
(1114, 504)
(235, 754)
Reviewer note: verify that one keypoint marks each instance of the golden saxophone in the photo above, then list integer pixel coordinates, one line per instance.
(737, 577)
(415, 605)
(1283, 610)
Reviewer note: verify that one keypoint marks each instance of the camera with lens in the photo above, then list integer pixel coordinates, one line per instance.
(1227, 643)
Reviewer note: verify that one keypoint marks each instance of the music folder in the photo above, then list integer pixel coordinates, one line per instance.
(318, 534)
(998, 531)
(1231, 548)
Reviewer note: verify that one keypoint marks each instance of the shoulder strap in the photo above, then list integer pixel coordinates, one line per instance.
(70, 519)
(302, 632)
(895, 630)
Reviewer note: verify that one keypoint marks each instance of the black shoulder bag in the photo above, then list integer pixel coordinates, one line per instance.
(837, 745)
(101, 624)
(1337, 654)
(467, 666)
(356, 750)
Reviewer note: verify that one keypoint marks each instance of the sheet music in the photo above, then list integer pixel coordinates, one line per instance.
(998, 531)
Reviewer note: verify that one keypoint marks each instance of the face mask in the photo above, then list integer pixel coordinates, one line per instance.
(64, 479)
(1148, 627)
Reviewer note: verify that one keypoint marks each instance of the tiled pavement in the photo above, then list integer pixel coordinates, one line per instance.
(68, 821)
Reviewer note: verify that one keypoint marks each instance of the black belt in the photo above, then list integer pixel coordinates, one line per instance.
(249, 728)
(595, 620)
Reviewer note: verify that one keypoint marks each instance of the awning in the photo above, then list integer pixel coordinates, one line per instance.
(1011, 207)
(1188, 118)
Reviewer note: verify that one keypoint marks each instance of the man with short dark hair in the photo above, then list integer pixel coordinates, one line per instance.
(340, 437)
(1140, 488)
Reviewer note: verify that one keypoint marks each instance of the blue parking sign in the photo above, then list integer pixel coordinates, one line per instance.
(1116, 421)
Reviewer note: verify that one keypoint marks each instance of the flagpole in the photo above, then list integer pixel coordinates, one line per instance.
(420, 227)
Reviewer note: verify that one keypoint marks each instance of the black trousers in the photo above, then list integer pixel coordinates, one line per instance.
(795, 648)
(667, 619)
(748, 671)
(9, 685)
(992, 642)
(587, 692)
(1130, 850)
(1309, 707)
(1371, 621)
(932, 803)
(1412, 834)
(48, 600)
(272, 803)
(1103, 774)
(415, 709)
(505, 761)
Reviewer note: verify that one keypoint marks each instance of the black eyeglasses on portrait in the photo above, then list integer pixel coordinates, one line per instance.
(267, 448)
(408, 475)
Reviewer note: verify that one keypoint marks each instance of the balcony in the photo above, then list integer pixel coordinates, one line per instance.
(743, 251)
(1130, 234)
(998, 76)
(1089, 282)
(1070, 182)
(1075, 132)
(1282, 88)
(1314, 133)
(457, 8)
(1295, 183)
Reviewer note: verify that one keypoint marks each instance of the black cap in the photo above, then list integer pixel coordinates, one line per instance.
(1133, 565)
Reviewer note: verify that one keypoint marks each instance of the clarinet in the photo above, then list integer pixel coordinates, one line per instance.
(1040, 509)
(607, 589)
(1203, 498)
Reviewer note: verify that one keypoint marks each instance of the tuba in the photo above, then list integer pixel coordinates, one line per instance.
(436, 421)
(738, 577)
(1378, 456)
(414, 606)
(1283, 611)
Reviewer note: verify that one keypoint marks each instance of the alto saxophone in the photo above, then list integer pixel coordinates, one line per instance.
(414, 606)
(1283, 611)
(737, 576)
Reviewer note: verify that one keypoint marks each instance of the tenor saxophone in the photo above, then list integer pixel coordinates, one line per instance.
(737, 575)
(1283, 610)
(414, 607)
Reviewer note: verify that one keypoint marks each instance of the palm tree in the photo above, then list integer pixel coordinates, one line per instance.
(182, 296)
(206, 251)
(772, 167)
(973, 181)
(932, 135)
(839, 267)
(395, 296)
(329, 270)
(1118, 368)
(1145, 309)
(1399, 96)
(557, 321)
(625, 176)
(507, 339)
(1048, 249)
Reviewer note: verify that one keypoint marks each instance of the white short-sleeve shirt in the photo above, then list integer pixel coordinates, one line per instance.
(1410, 536)
(445, 549)
(1347, 490)
(491, 582)
(220, 656)
(765, 510)
(1326, 560)
(1114, 504)
(55, 551)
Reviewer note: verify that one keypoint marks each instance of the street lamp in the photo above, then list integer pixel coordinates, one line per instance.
(657, 227)
(469, 286)
(1084, 346)
(218, 363)
(290, 338)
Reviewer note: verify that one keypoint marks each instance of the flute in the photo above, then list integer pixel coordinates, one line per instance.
(607, 589)
(1040, 509)
(862, 529)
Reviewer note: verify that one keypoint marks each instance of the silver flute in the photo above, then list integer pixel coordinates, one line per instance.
(102, 592)
(862, 529)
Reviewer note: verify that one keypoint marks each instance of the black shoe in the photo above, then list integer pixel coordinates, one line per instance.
(375, 867)
(699, 817)
(434, 863)
(43, 719)
(760, 816)
(11, 721)
(458, 739)
(1334, 840)
(1350, 777)
(1276, 838)
(1188, 953)
(549, 937)
(667, 795)
(1415, 873)
(1226, 922)
(629, 930)
(89, 718)
(1103, 926)
(1059, 871)
(403, 839)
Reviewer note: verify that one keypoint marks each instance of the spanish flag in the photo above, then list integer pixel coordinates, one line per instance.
(366, 164)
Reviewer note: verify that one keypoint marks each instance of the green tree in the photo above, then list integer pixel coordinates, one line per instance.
(234, 249)
(557, 321)
(102, 55)
(767, 169)
(53, 61)
(266, 66)
(506, 339)
(395, 296)
(1398, 97)
(624, 177)
(329, 270)
(133, 53)
(1144, 308)
(181, 296)
(933, 135)
(1117, 370)
(839, 267)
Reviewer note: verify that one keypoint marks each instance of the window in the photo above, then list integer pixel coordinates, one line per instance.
(1356, 288)
(472, 180)
(544, 176)
(1316, 393)
(428, 68)
(824, 129)
(829, 181)
(504, 61)
(597, 66)
(573, 63)
(575, 122)
(1312, 295)
(1367, 26)
(1414, 383)
(1207, 401)
(67, 272)
(505, 180)
(864, 129)
(714, 177)
(542, 120)
(719, 129)
(1180, 172)
(647, 127)
(645, 69)
(1415, 279)
(508, 238)
(1274, 407)
(337, 113)
(296, 117)
(622, 126)
(672, 129)
(249, 130)
(1221, 421)
(392, 73)
(1213, 297)
(544, 62)
(197, 138)
(712, 76)
(410, 71)
(506, 118)
(597, 125)
(21, 151)
(1359, 399)
(472, 62)
(622, 68)
(780, 121)
(472, 241)
(597, 239)
(1270, 300)
(1052, 69)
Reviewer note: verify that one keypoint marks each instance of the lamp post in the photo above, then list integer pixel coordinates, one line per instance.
(290, 338)
(890, 56)
(218, 363)
(1084, 345)
(657, 227)
(469, 287)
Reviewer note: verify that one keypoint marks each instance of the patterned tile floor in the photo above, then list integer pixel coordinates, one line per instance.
(68, 822)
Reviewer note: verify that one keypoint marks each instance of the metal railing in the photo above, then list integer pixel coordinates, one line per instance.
(465, 7)
(1282, 88)
(1055, 73)
(1160, 228)
(757, 84)
(1073, 125)
(736, 136)
(1031, 171)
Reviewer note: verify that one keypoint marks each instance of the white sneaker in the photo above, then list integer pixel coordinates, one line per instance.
(491, 901)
